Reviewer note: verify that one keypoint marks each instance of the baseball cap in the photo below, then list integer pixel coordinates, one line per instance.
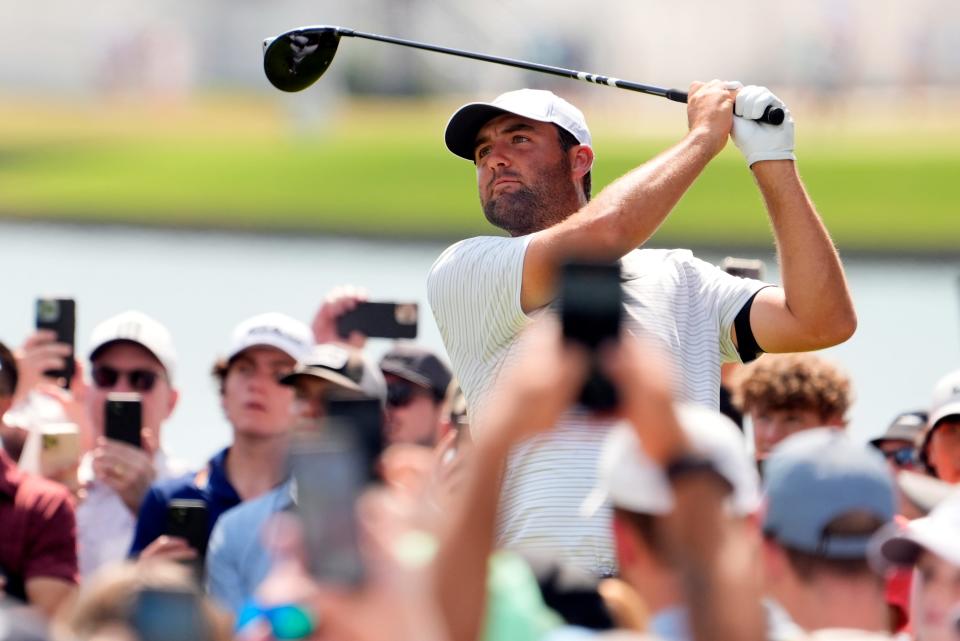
(816, 476)
(630, 480)
(272, 329)
(946, 402)
(939, 532)
(905, 427)
(536, 104)
(136, 327)
(417, 365)
(345, 367)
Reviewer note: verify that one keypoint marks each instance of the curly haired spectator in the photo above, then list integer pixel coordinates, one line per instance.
(786, 393)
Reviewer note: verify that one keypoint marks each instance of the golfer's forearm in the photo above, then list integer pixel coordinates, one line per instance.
(466, 544)
(627, 212)
(814, 284)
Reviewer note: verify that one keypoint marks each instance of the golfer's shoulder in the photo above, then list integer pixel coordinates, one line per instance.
(664, 258)
(467, 256)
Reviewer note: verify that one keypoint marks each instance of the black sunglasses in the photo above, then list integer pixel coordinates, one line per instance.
(140, 380)
(402, 393)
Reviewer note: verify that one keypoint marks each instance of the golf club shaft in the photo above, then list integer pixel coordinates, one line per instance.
(771, 116)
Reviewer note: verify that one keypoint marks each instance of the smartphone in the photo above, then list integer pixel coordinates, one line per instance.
(59, 451)
(364, 417)
(591, 309)
(59, 315)
(330, 469)
(743, 267)
(380, 320)
(189, 520)
(169, 614)
(123, 418)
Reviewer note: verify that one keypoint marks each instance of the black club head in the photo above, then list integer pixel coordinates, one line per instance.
(295, 60)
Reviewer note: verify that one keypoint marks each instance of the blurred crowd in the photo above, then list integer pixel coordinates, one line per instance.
(574, 479)
(785, 528)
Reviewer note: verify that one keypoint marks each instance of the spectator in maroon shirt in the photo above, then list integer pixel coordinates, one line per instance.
(38, 549)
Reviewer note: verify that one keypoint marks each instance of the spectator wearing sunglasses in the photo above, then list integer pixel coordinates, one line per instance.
(260, 411)
(787, 393)
(130, 352)
(417, 382)
(897, 443)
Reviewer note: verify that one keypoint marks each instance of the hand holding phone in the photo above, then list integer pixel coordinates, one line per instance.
(59, 316)
(591, 308)
(380, 320)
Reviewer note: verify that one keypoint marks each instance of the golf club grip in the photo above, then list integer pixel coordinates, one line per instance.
(771, 115)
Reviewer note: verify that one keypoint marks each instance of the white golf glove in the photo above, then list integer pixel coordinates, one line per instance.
(759, 141)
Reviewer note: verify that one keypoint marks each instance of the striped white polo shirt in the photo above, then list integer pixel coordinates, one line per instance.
(682, 302)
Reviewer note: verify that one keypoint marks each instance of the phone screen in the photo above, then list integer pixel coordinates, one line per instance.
(59, 315)
(330, 471)
(188, 519)
(380, 320)
(123, 418)
(365, 420)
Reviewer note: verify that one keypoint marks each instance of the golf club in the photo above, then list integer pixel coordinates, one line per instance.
(296, 59)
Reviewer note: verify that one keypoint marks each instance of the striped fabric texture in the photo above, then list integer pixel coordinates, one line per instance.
(685, 304)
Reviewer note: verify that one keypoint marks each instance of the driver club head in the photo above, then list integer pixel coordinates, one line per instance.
(295, 60)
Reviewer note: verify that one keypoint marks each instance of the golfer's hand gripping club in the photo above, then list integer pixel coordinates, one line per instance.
(771, 115)
(758, 141)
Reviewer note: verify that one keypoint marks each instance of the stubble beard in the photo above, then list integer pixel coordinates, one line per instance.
(530, 208)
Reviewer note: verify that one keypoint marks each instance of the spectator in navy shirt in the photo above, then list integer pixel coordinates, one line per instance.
(260, 411)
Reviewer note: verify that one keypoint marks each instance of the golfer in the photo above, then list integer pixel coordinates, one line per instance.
(533, 159)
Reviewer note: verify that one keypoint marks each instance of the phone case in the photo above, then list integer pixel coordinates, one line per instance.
(380, 320)
(59, 315)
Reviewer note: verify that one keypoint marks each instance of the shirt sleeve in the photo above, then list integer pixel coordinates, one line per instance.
(724, 296)
(151, 521)
(224, 581)
(474, 292)
(52, 539)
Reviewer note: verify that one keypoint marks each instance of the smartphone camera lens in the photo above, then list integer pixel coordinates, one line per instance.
(48, 310)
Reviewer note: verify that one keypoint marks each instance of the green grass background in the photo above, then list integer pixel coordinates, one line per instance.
(385, 172)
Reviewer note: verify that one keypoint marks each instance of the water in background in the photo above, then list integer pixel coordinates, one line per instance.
(202, 284)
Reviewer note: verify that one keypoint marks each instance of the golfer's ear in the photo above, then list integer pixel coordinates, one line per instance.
(581, 161)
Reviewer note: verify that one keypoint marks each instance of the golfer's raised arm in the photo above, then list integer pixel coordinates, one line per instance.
(628, 211)
(814, 309)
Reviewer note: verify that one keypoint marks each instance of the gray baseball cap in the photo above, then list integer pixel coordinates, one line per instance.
(816, 476)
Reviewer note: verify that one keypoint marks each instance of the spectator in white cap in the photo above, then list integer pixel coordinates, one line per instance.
(259, 409)
(826, 496)
(641, 494)
(129, 352)
(940, 446)
(237, 561)
(931, 545)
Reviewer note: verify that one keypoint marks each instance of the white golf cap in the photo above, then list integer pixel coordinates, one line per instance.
(536, 104)
(346, 367)
(938, 533)
(946, 398)
(136, 327)
(272, 329)
(630, 480)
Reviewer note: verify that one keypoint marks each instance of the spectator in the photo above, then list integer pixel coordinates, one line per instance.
(38, 545)
(417, 382)
(130, 352)
(898, 443)
(533, 164)
(238, 561)
(787, 393)
(8, 388)
(263, 349)
(826, 496)
(940, 444)
(641, 495)
(931, 546)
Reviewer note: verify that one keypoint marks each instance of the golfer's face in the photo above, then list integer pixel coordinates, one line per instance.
(511, 152)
